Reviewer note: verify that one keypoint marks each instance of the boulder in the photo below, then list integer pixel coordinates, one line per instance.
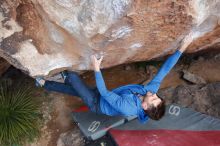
(42, 37)
(193, 78)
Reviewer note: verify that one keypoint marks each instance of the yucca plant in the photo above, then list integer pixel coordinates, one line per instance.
(18, 114)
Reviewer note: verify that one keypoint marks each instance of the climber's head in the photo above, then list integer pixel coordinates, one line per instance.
(153, 106)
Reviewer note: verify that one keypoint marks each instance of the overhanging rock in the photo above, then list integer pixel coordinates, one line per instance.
(42, 37)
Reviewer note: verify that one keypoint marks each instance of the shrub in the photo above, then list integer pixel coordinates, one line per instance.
(19, 113)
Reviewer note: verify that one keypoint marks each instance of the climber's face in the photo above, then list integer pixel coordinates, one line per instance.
(150, 100)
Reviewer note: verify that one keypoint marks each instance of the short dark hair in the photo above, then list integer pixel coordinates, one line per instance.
(156, 113)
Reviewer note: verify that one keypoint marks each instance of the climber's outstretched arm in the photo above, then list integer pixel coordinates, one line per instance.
(154, 84)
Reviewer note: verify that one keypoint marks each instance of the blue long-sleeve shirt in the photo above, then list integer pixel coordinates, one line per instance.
(123, 101)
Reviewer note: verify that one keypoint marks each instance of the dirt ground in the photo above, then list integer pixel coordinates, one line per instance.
(56, 107)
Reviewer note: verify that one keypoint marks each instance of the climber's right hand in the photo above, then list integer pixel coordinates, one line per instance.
(187, 41)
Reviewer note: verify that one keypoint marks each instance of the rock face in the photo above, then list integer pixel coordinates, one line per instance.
(203, 98)
(46, 36)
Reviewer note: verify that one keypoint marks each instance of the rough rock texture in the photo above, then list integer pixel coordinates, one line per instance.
(70, 138)
(203, 98)
(195, 79)
(4, 65)
(46, 36)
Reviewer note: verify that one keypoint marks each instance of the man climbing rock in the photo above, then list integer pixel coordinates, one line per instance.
(128, 100)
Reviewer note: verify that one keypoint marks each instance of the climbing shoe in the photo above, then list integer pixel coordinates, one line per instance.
(64, 75)
(39, 82)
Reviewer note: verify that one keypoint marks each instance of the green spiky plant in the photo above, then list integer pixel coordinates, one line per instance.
(19, 112)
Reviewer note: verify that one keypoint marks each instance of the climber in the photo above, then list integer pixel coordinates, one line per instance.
(128, 100)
